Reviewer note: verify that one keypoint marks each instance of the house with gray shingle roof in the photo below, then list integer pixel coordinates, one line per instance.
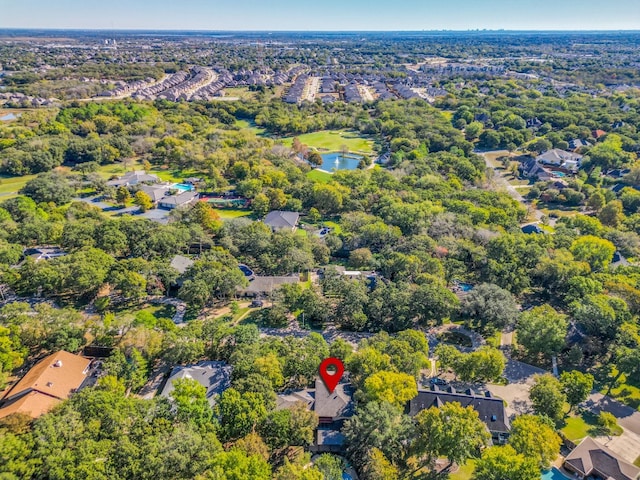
(181, 264)
(214, 376)
(282, 220)
(130, 179)
(173, 201)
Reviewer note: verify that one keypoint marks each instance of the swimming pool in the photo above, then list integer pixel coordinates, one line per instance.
(185, 187)
(9, 116)
(554, 474)
(465, 287)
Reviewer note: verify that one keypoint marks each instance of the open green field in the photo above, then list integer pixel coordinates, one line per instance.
(174, 176)
(464, 472)
(247, 125)
(228, 214)
(318, 176)
(241, 93)
(9, 186)
(330, 140)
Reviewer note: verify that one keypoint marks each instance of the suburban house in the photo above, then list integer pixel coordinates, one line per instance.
(50, 381)
(130, 179)
(560, 158)
(532, 228)
(44, 253)
(161, 196)
(214, 376)
(155, 192)
(592, 460)
(281, 220)
(332, 410)
(532, 169)
(181, 263)
(577, 143)
(260, 286)
(618, 260)
(170, 202)
(490, 409)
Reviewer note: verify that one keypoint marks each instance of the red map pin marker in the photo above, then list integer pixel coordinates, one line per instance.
(331, 380)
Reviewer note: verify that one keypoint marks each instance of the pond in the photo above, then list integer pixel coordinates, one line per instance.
(9, 116)
(338, 161)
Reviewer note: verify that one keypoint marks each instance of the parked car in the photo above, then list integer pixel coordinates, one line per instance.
(437, 381)
(256, 304)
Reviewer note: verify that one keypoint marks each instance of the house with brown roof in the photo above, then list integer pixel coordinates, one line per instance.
(52, 380)
(592, 460)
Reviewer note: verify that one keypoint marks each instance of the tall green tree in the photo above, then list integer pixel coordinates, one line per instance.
(191, 401)
(547, 396)
(451, 431)
(535, 438)
(377, 425)
(542, 331)
(504, 463)
(576, 386)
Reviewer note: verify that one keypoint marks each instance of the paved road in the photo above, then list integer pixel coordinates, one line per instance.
(627, 417)
(155, 380)
(516, 393)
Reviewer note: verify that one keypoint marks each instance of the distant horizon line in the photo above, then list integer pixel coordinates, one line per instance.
(177, 30)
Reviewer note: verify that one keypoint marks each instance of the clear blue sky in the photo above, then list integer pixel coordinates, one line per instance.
(322, 14)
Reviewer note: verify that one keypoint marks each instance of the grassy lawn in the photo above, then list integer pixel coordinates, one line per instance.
(318, 176)
(495, 340)
(242, 312)
(9, 186)
(166, 175)
(242, 93)
(518, 182)
(627, 394)
(578, 427)
(301, 233)
(158, 311)
(228, 214)
(247, 125)
(335, 227)
(464, 472)
(334, 140)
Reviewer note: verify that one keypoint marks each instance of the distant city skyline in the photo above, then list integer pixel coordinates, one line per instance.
(329, 15)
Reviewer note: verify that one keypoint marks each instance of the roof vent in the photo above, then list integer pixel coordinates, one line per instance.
(58, 363)
(49, 384)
